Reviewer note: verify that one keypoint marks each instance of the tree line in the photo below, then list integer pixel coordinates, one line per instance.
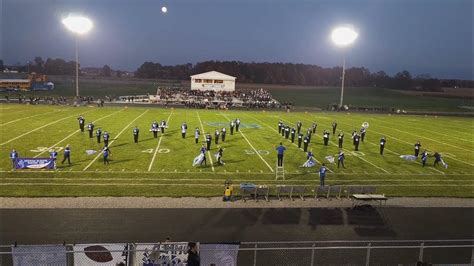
(266, 73)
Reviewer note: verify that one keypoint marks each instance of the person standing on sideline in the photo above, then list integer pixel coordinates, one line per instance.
(322, 174)
(340, 159)
(196, 135)
(67, 155)
(424, 158)
(341, 139)
(13, 157)
(280, 151)
(237, 124)
(98, 134)
(106, 152)
(136, 131)
(382, 144)
(232, 125)
(417, 148)
(90, 128)
(81, 122)
(334, 126)
(223, 132)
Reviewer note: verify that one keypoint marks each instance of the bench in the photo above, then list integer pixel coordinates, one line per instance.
(368, 198)
(262, 191)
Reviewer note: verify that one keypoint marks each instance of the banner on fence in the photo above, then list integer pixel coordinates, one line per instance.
(99, 254)
(34, 163)
(39, 255)
(167, 253)
(218, 254)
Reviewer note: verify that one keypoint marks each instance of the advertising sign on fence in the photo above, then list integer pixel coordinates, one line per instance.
(167, 253)
(39, 255)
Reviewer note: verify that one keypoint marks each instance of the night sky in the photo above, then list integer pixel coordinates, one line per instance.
(421, 36)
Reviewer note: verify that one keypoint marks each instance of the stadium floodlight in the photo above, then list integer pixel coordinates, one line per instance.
(78, 25)
(343, 36)
(164, 9)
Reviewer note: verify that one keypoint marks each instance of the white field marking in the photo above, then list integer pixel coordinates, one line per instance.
(38, 128)
(236, 180)
(250, 144)
(59, 171)
(204, 185)
(403, 141)
(70, 135)
(158, 146)
(423, 137)
(288, 140)
(204, 136)
(110, 144)
(19, 119)
(396, 153)
(374, 165)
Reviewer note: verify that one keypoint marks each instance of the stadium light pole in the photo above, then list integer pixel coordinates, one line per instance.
(78, 25)
(343, 36)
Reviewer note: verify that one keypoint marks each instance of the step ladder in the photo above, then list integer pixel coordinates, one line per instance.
(280, 172)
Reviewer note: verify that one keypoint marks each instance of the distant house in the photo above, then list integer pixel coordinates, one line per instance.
(212, 81)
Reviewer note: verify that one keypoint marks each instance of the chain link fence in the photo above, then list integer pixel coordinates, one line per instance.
(405, 252)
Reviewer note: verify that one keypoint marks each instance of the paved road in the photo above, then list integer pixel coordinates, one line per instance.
(41, 226)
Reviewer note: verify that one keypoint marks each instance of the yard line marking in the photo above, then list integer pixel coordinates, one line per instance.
(19, 119)
(400, 140)
(38, 128)
(158, 146)
(206, 185)
(59, 171)
(118, 135)
(250, 144)
(359, 157)
(70, 135)
(204, 136)
(288, 140)
(220, 181)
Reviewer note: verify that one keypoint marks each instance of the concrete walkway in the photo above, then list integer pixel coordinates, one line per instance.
(215, 202)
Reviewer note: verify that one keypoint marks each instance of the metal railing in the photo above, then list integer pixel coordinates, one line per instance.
(357, 252)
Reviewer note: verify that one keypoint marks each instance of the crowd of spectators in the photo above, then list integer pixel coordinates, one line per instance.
(55, 100)
(247, 98)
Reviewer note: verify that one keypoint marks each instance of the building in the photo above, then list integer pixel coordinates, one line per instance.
(212, 80)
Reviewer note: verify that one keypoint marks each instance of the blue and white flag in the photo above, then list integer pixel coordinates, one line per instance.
(310, 162)
(34, 163)
(330, 159)
(408, 157)
(198, 160)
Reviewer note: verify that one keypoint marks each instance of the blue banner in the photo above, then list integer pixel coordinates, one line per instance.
(34, 163)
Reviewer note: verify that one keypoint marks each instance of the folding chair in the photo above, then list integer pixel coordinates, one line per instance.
(321, 192)
(298, 190)
(284, 189)
(262, 191)
(247, 191)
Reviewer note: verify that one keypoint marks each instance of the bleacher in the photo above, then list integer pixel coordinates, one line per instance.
(358, 194)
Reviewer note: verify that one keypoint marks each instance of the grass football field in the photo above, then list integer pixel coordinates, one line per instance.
(163, 166)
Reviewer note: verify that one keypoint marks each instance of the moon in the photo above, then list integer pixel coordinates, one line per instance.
(164, 9)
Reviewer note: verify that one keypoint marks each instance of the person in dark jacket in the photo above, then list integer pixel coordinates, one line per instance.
(193, 256)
